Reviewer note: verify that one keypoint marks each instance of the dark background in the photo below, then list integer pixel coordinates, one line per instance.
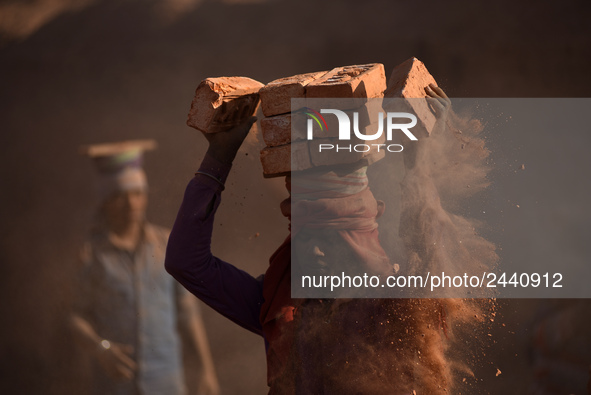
(81, 71)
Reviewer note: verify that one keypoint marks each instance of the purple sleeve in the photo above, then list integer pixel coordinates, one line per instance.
(230, 291)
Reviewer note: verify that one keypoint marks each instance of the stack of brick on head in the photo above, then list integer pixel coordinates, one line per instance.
(284, 127)
(320, 346)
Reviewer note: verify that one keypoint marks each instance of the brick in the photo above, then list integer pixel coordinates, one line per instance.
(222, 103)
(365, 116)
(408, 81)
(277, 130)
(332, 157)
(278, 161)
(358, 81)
(283, 129)
(276, 95)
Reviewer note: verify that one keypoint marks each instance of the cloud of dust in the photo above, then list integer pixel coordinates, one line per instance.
(404, 346)
(447, 168)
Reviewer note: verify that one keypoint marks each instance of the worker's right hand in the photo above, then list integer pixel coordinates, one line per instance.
(223, 146)
(117, 361)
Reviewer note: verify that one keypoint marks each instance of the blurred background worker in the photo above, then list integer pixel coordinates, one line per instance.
(130, 316)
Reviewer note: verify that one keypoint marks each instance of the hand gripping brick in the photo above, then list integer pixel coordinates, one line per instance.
(408, 81)
(222, 103)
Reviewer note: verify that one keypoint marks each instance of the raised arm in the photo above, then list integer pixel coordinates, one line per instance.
(228, 290)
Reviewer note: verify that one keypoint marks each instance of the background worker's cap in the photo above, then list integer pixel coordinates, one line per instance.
(119, 165)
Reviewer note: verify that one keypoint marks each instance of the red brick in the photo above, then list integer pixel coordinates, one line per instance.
(332, 157)
(276, 95)
(224, 102)
(283, 129)
(408, 81)
(365, 113)
(358, 81)
(277, 130)
(277, 161)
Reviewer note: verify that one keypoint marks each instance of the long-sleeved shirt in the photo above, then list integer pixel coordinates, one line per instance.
(306, 352)
(230, 291)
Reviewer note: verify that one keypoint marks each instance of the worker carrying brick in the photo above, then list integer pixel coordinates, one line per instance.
(314, 346)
